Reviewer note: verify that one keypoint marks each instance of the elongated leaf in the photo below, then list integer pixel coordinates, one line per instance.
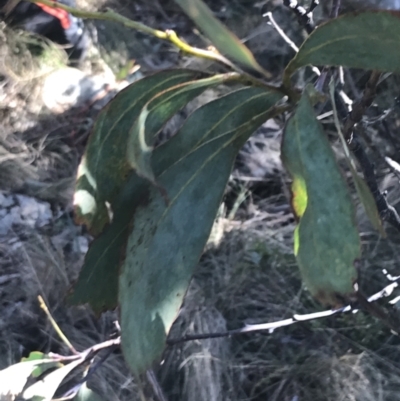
(14, 378)
(110, 172)
(42, 365)
(367, 201)
(166, 241)
(326, 238)
(224, 40)
(45, 389)
(34, 356)
(104, 167)
(155, 113)
(363, 191)
(366, 40)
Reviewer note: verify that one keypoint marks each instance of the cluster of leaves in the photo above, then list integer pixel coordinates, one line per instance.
(151, 208)
(39, 376)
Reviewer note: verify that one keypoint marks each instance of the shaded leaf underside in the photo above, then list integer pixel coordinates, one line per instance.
(367, 40)
(166, 241)
(104, 167)
(98, 280)
(224, 40)
(147, 248)
(326, 238)
(105, 170)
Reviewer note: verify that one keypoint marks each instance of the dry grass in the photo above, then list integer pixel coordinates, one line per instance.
(33, 155)
(249, 277)
(252, 278)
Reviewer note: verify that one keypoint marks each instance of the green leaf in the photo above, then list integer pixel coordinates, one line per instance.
(367, 40)
(327, 243)
(367, 201)
(224, 40)
(86, 394)
(362, 188)
(166, 241)
(42, 366)
(104, 167)
(125, 70)
(154, 115)
(34, 356)
(44, 390)
(14, 378)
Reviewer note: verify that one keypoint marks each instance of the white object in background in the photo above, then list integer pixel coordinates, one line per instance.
(70, 87)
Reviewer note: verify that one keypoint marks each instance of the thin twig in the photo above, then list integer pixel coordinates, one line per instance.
(281, 31)
(387, 212)
(56, 326)
(395, 167)
(313, 6)
(286, 38)
(168, 35)
(272, 326)
(93, 368)
(83, 357)
(380, 313)
(72, 392)
(360, 107)
(304, 17)
(155, 385)
(88, 353)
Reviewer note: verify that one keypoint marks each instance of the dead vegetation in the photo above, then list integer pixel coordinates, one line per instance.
(246, 275)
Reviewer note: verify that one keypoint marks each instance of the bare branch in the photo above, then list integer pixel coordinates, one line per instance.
(313, 5)
(387, 212)
(359, 108)
(56, 327)
(305, 17)
(167, 35)
(286, 38)
(281, 31)
(364, 303)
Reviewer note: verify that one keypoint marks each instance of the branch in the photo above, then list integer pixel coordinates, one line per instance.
(364, 303)
(359, 108)
(387, 212)
(286, 38)
(305, 17)
(72, 392)
(88, 353)
(281, 32)
(56, 327)
(313, 6)
(168, 35)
